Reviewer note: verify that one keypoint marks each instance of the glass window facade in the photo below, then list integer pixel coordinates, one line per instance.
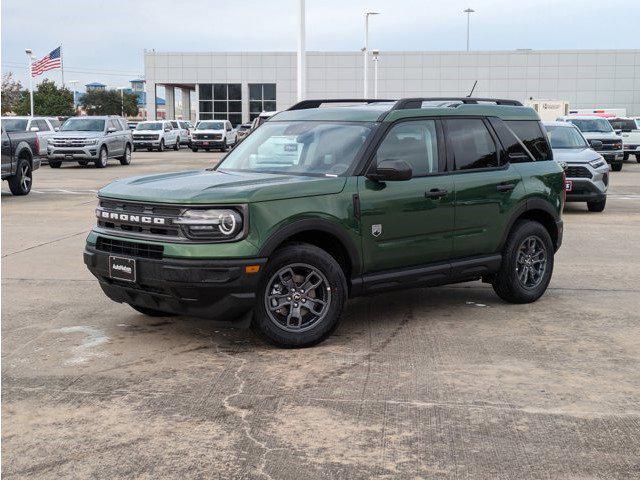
(221, 101)
(262, 98)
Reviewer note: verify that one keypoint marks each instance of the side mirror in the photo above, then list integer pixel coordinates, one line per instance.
(618, 131)
(167, 129)
(111, 130)
(56, 129)
(34, 129)
(391, 170)
(596, 144)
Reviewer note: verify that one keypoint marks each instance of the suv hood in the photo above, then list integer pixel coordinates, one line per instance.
(601, 136)
(575, 155)
(77, 134)
(146, 132)
(208, 131)
(210, 186)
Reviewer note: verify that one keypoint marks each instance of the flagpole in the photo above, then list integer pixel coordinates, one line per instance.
(29, 53)
(62, 65)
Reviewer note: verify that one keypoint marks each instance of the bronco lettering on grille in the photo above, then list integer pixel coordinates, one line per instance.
(125, 217)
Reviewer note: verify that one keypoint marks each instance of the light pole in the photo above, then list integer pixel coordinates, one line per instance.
(375, 54)
(468, 11)
(29, 53)
(302, 77)
(365, 51)
(73, 86)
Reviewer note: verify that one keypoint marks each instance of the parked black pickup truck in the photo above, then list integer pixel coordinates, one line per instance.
(19, 159)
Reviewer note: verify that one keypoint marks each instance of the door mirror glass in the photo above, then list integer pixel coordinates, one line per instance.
(391, 170)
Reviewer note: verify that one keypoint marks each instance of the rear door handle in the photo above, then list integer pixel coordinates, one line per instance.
(435, 193)
(506, 187)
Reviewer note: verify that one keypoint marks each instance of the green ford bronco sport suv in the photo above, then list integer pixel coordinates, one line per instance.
(325, 202)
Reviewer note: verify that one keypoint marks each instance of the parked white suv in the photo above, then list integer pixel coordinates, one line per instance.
(44, 127)
(210, 134)
(601, 136)
(184, 130)
(158, 134)
(630, 129)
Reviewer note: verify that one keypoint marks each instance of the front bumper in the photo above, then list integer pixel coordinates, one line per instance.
(632, 148)
(89, 152)
(207, 143)
(611, 155)
(146, 143)
(215, 289)
(585, 191)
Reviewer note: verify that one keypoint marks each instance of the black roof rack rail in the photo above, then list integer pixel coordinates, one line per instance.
(410, 103)
(306, 104)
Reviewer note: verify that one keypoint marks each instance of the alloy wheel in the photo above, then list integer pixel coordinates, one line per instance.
(25, 172)
(297, 297)
(531, 262)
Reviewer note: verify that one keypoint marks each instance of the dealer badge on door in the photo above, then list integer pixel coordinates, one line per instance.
(376, 230)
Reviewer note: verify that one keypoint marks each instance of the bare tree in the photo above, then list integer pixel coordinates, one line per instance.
(10, 93)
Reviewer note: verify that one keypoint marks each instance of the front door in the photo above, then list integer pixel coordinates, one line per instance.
(408, 223)
(6, 154)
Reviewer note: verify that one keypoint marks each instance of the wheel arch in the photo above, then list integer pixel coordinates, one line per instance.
(323, 234)
(538, 210)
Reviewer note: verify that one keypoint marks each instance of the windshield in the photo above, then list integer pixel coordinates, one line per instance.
(565, 137)
(299, 148)
(624, 124)
(83, 125)
(244, 127)
(14, 124)
(599, 125)
(210, 126)
(149, 126)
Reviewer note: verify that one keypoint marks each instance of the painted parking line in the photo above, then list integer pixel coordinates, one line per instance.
(64, 191)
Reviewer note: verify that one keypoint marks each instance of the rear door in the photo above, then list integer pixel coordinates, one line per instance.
(115, 138)
(6, 154)
(485, 186)
(408, 223)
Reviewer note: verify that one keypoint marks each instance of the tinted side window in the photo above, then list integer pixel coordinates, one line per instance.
(515, 152)
(42, 125)
(415, 142)
(530, 133)
(472, 144)
(175, 125)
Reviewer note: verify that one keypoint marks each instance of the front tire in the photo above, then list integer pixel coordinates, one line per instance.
(151, 312)
(194, 149)
(103, 158)
(300, 298)
(625, 157)
(597, 206)
(527, 263)
(638, 157)
(53, 164)
(126, 158)
(83, 163)
(616, 166)
(20, 183)
(161, 146)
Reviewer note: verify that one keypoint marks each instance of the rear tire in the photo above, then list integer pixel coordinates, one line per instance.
(638, 157)
(177, 145)
(523, 277)
(161, 146)
(126, 158)
(53, 164)
(83, 163)
(616, 166)
(152, 312)
(625, 157)
(103, 158)
(20, 183)
(315, 281)
(194, 149)
(597, 206)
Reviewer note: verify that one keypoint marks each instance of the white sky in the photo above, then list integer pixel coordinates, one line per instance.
(103, 40)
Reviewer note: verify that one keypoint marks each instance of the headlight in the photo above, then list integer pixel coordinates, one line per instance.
(91, 141)
(597, 163)
(212, 224)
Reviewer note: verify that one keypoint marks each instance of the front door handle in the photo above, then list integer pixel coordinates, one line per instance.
(506, 187)
(435, 193)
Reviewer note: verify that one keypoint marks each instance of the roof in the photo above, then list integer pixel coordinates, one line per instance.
(382, 112)
(559, 124)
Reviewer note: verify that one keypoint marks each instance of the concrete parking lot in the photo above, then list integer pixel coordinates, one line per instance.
(428, 383)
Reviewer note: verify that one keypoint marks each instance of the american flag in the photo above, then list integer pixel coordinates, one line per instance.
(50, 61)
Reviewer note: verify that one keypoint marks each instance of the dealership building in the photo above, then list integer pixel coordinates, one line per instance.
(238, 86)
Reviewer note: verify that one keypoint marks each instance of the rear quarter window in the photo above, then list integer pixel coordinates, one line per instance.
(530, 133)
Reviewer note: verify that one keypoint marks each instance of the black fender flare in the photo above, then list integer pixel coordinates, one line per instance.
(525, 206)
(314, 224)
(20, 149)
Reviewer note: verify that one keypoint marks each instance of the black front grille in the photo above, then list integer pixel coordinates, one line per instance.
(121, 247)
(578, 172)
(610, 144)
(68, 152)
(141, 208)
(145, 137)
(207, 136)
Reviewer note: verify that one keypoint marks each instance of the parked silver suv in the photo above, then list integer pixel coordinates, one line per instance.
(90, 139)
(587, 172)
